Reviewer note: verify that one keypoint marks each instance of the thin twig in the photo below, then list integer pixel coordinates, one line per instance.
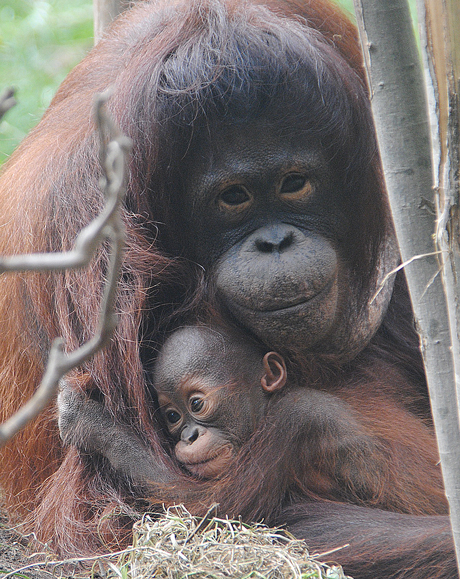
(107, 225)
(402, 266)
(7, 101)
(73, 560)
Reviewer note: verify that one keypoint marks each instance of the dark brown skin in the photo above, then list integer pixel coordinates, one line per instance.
(283, 280)
(255, 197)
(87, 425)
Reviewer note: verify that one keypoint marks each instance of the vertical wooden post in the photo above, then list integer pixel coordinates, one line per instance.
(440, 42)
(440, 32)
(422, 222)
(104, 12)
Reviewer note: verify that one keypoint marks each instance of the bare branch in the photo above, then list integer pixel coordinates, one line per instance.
(7, 101)
(107, 225)
(104, 12)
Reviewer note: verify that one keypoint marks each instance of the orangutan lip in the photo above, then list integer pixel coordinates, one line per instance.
(294, 304)
(201, 462)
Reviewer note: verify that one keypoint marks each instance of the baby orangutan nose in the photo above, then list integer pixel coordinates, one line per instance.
(190, 434)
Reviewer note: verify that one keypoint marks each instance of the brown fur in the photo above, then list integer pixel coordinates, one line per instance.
(49, 191)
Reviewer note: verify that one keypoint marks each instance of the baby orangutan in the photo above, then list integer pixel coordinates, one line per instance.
(212, 389)
(235, 420)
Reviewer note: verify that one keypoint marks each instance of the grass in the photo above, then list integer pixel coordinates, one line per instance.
(176, 545)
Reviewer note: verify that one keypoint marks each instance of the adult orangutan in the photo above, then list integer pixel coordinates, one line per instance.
(255, 197)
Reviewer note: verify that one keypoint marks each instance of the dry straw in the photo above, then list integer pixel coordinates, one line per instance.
(180, 546)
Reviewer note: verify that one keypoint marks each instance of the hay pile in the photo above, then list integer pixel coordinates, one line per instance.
(179, 546)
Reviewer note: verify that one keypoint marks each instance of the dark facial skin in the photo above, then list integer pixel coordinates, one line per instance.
(269, 217)
(213, 391)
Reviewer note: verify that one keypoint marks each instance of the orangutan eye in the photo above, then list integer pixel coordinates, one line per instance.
(172, 416)
(295, 187)
(196, 404)
(292, 183)
(235, 198)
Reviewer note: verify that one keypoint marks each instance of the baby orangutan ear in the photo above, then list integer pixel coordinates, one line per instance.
(275, 375)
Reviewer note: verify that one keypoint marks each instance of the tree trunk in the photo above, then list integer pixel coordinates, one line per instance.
(440, 32)
(104, 12)
(400, 114)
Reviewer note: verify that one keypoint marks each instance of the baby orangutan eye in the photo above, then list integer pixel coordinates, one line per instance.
(172, 416)
(196, 404)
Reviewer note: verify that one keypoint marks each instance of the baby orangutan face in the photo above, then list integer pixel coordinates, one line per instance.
(212, 393)
(193, 416)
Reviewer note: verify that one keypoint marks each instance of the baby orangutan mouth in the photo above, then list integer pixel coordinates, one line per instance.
(211, 467)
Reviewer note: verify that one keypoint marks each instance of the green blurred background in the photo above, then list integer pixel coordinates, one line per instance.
(40, 41)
